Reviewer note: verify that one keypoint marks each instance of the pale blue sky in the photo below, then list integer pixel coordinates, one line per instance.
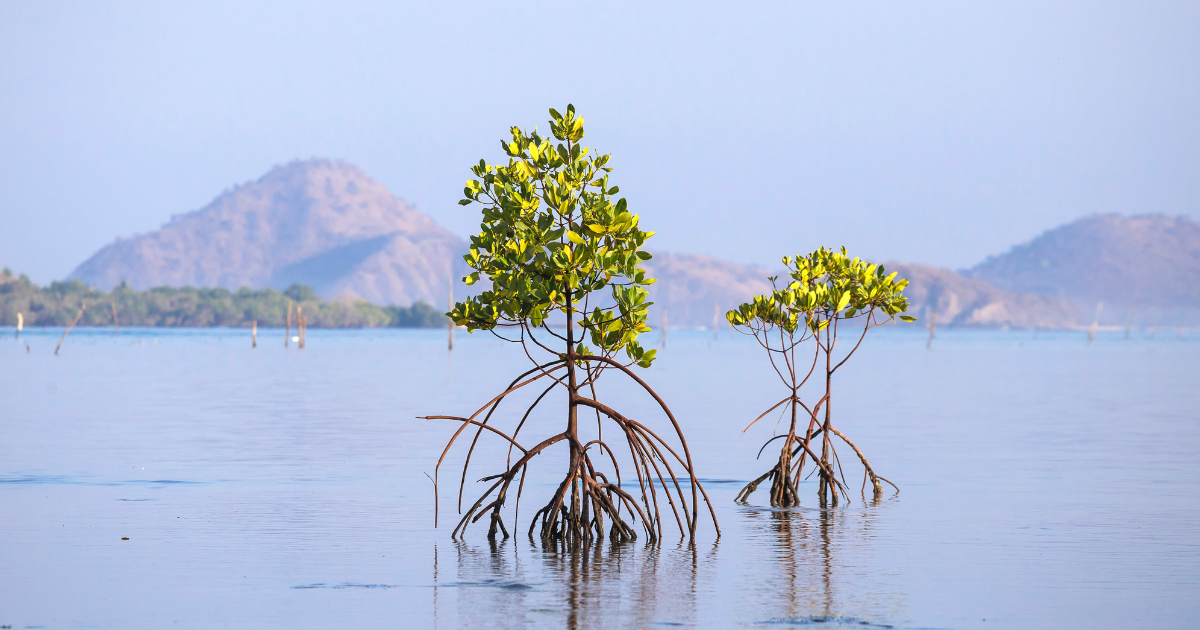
(929, 132)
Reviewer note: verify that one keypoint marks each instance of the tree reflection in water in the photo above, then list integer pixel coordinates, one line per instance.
(806, 545)
(788, 567)
(600, 585)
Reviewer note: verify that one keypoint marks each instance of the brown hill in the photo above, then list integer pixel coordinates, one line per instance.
(327, 224)
(1150, 262)
(318, 222)
(960, 301)
(692, 285)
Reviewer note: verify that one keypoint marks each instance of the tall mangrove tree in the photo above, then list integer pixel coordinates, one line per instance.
(564, 256)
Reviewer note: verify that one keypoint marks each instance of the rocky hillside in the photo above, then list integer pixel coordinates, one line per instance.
(317, 222)
(961, 301)
(693, 286)
(328, 225)
(1149, 263)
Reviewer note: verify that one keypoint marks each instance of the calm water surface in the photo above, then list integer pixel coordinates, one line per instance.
(1045, 482)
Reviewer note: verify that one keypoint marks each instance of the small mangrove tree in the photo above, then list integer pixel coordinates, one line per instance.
(798, 326)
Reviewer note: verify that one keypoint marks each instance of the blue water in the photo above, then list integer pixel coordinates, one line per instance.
(1045, 483)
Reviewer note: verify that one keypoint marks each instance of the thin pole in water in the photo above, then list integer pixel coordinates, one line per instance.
(20, 324)
(1095, 323)
(82, 306)
(254, 334)
(932, 328)
(299, 329)
(116, 324)
(664, 327)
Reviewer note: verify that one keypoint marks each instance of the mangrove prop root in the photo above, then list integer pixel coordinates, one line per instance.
(870, 472)
(586, 506)
(786, 474)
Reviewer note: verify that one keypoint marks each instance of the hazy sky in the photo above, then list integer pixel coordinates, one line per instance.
(930, 132)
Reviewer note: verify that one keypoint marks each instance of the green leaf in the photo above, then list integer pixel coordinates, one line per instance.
(574, 238)
(907, 318)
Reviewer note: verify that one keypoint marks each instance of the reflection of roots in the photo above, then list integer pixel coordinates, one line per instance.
(587, 501)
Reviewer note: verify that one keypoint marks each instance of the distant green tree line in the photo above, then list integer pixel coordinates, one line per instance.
(58, 304)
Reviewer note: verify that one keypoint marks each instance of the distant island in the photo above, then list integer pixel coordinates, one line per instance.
(59, 304)
(371, 259)
(1144, 268)
(323, 223)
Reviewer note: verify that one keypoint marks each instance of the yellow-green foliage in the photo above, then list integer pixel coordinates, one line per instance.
(826, 285)
(551, 236)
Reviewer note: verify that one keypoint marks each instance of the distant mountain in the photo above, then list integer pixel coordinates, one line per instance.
(327, 224)
(1151, 263)
(960, 301)
(317, 222)
(693, 286)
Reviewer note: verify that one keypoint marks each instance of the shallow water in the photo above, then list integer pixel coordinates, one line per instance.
(1045, 482)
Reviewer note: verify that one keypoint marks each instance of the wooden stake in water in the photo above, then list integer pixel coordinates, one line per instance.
(20, 324)
(1095, 323)
(82, 307)
(254, 334)
(664, 327)
(932, 328)
(287, 328)
(299, 329)
(116, 324)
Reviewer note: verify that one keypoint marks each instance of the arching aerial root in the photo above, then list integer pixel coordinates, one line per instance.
(869, 472)
(586, 502)
(587, 506)
(785, 475)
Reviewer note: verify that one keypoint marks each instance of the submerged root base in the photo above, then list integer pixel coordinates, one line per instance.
(785, 475)
(577, 512)
(586, 498)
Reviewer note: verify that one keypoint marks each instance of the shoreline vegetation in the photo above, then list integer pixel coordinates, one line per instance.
(59, 304)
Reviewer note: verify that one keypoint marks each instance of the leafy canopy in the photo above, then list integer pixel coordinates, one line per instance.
(550, 237)
(827, 285)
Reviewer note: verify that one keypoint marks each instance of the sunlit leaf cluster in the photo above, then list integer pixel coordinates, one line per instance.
(826, 285)
(553, 233)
